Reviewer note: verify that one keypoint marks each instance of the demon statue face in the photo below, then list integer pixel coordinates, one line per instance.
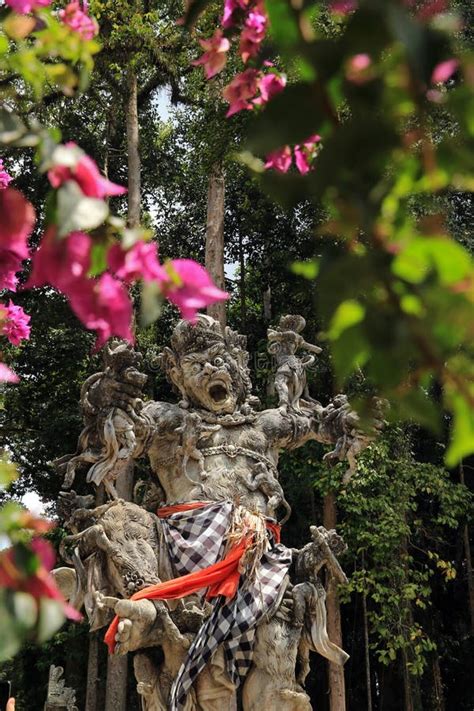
(208, 366)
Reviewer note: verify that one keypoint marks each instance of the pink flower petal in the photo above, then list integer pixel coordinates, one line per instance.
(7, 375)
(196, 290)
(444, 71)
(14, 323)
(25, 6)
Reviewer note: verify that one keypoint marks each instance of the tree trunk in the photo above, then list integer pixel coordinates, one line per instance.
(133, 152)
(336, 682)
(438, 693)
(410, 683)
(116, 692)
(215, 237)
(267, 304)
(92, 673)
(243, 291)
(368, 676)
(407, 690)
(467, 553)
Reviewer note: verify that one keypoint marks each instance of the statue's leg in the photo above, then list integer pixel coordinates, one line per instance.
(281, 386)
(214, 689)
(271, 682)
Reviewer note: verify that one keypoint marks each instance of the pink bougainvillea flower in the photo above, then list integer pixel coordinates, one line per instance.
(215, 55)
(76, 17)
(25, 6)
(138, 262)
(7, 375)
(189, 287)
(17, 219)
(243, 87)
(359, 69)
(343, 7)
(5, 178)
(280, 160)
(252, 34)
(14, 323)
(305, 153)
(103, 305)
(444, 71)
(39, 583)
(9, 280)
(270, 85)
(232, 10)
(60, 262)
(83, 170)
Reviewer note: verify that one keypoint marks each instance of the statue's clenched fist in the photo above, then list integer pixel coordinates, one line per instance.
(137, 618)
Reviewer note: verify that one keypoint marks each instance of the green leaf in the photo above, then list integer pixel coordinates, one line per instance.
(98, 259)
(75, 211)
(347, 314)
(8, 471)
(462, 431)
(308, 270)
(451, 261)
(151, 303)
(283, 23)
(350, 352)
(4, 44)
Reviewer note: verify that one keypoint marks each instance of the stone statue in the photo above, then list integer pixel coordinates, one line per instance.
(284, 342)
(215, 459)
(60, 697)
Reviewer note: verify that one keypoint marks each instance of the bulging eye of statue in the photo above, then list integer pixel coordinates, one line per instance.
(196, 368)
(218, 362)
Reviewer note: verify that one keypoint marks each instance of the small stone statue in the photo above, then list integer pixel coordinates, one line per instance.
(60, 697)
(352, 441)
(290, 379)
(192, 431)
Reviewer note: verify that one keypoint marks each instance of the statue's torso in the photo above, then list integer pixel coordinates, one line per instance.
(229, 460)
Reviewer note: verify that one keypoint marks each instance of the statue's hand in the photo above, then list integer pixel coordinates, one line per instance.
(137, 618)
(136, 621)
(109, 392)
(285, 609)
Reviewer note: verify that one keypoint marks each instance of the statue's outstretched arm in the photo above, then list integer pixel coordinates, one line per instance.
(336, 424)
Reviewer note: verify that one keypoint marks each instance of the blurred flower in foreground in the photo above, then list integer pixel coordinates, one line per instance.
(25, 6)
(190, 287)
(25, 568)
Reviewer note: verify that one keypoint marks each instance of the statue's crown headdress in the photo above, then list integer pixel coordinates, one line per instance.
(188, 337)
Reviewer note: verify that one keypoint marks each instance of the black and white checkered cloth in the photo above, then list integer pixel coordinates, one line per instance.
(195, 540)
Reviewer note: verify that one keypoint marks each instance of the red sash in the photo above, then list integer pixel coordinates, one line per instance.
(222, 578)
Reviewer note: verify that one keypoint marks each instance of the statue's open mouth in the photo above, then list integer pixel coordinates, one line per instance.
(218, 392)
